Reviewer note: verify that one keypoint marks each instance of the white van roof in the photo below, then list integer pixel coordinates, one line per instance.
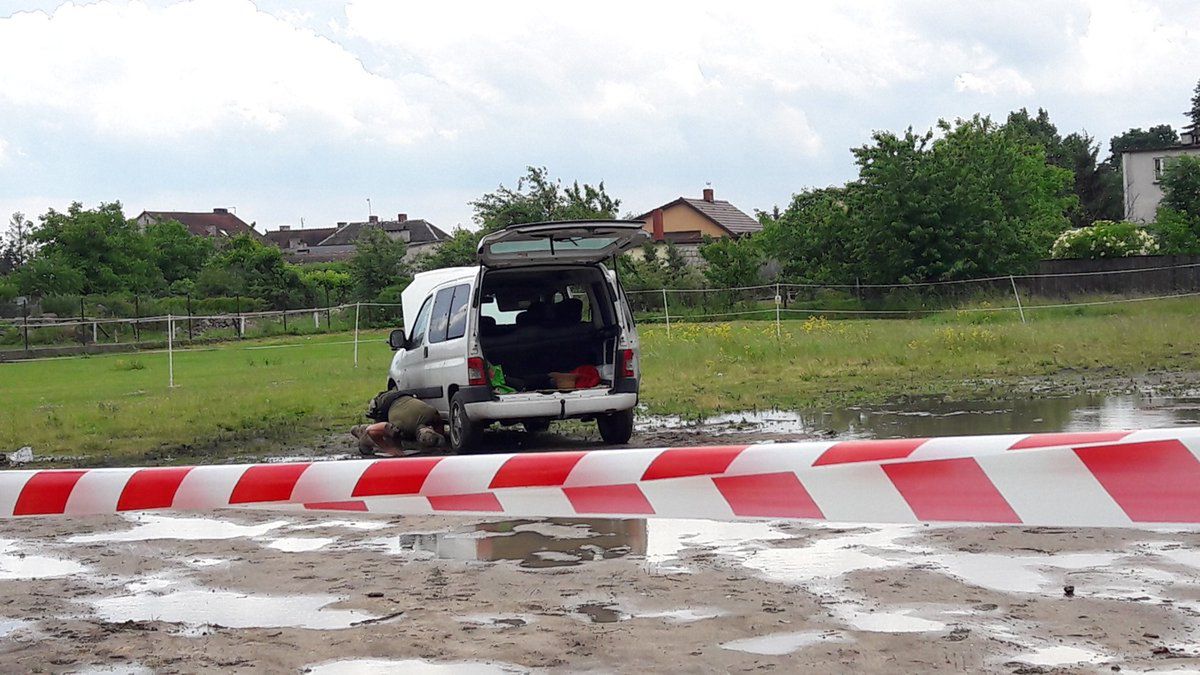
(416, 292)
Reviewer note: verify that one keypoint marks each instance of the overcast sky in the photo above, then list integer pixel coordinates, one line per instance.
(288, 114)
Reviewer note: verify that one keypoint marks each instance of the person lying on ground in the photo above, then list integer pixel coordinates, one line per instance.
(406, 419)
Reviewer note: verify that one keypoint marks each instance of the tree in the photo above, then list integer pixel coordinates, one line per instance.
(459, 250)
(246, 266)
(177, 253)
(18, 245)
(1097, 186)
(732, 263)
(1178, 219)
(1160, 136)
(1193, 114)
(108, 250)
(538, 198)
(813, 239)
(378, 263)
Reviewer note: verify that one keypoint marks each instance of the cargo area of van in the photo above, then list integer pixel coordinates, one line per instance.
(540, 324)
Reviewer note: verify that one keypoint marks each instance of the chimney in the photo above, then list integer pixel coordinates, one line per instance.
(341, 223)
(658, 225)
(373, 219)
(708, 195)
(401, 217)
(285, 228)
(220, 210)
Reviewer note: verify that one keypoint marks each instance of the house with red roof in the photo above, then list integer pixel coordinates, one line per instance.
(220, 223)
(686, 221)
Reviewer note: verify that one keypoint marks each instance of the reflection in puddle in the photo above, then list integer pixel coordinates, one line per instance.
(410, 667)
(900, 621)
(148, 526)
(9, 626)
(505, 621)
(16, 564)
(200, 607)
(1060, 656)
(779, 644)
(299, 544)
(535, 544)
(924, 417)
(601, 613)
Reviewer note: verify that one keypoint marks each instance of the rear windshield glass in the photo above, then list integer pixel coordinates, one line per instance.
(561, 244)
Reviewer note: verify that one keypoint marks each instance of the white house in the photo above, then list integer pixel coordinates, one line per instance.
(1141, 176)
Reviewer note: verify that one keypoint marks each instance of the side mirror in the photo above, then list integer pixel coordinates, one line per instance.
(397, 339)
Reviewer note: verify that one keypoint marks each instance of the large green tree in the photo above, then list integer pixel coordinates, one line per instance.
(378, 263)
(177, 253)
(246, 266)
(17, 247)
(1178, 219)
(1097, 185)
(108, 250)
(1193, 113)
(813, 239)
(538, 197)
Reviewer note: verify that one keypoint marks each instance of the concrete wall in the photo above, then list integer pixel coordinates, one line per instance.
(1143, 191)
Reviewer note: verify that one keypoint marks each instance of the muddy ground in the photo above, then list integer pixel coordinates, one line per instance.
(286, 592)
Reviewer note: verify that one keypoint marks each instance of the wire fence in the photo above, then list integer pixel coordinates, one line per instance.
(1023, 296)
(27, 335)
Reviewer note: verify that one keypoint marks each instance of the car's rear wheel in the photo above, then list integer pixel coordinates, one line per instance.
(536, 426)
(616, 428)
(464, 433)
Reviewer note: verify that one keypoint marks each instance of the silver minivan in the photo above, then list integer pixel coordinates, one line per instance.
(541, 301)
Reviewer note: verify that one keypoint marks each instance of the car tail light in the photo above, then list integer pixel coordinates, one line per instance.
(476, 372)
(627, 363)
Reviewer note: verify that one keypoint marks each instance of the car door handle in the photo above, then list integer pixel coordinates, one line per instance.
(427, 352)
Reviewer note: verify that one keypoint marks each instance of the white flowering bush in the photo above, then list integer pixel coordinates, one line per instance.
(1104, 239)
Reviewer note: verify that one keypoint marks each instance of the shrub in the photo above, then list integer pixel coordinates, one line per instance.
(1104, 239)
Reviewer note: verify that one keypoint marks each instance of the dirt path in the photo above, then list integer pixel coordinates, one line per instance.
(245, 590)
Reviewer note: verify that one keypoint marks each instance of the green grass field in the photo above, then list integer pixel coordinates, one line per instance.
(118, 409)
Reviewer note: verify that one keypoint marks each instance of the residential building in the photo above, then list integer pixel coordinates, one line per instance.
(220, 223)
(338, 243)
(686, 221)
(1142, 172)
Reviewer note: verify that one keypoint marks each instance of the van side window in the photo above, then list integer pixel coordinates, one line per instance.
(458, 312)
(417, 337)
(440, 319)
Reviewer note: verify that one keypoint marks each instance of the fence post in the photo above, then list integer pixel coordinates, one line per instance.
(356, 307)
(191, 336)
(285, 316)
(82, 318)
(1016, 295)
(666, 312)
(316, 320)
(778, 331)
(25, 311)
(137, 313)
(241, 324)
(170, 352)
(328, 316)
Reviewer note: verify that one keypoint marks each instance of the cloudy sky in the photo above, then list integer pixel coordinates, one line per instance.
(292, 110)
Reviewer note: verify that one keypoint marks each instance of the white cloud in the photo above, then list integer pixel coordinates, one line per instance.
(993, 82)
(130, 69)
(3, 152)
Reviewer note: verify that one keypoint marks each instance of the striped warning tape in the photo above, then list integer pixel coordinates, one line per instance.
(1116, 478)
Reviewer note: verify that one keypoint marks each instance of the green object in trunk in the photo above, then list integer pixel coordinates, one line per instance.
(498, 384)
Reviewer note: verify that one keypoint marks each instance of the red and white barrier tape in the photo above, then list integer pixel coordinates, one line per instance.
(1117, 478)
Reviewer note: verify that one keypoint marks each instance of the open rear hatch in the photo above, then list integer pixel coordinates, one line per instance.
(572, 241)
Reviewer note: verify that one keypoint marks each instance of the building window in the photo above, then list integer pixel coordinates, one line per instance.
(1160, 167)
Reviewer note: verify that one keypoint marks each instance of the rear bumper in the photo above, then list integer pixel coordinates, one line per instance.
(550, 406)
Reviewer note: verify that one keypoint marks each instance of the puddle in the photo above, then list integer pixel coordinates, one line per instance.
(147, 527)
(683, 615)
(344, 524)
(200, 607)
(299, 544)
(15, 563)
(924, 417)
(1060, 656)
(532, 544)
(10, 626)
(504, 621)
(122, 669)
(596, 612)
(411, 667)
(779, 644)
(900, 621)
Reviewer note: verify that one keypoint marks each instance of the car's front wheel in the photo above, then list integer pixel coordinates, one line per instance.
(616, 428)
(464, 433)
